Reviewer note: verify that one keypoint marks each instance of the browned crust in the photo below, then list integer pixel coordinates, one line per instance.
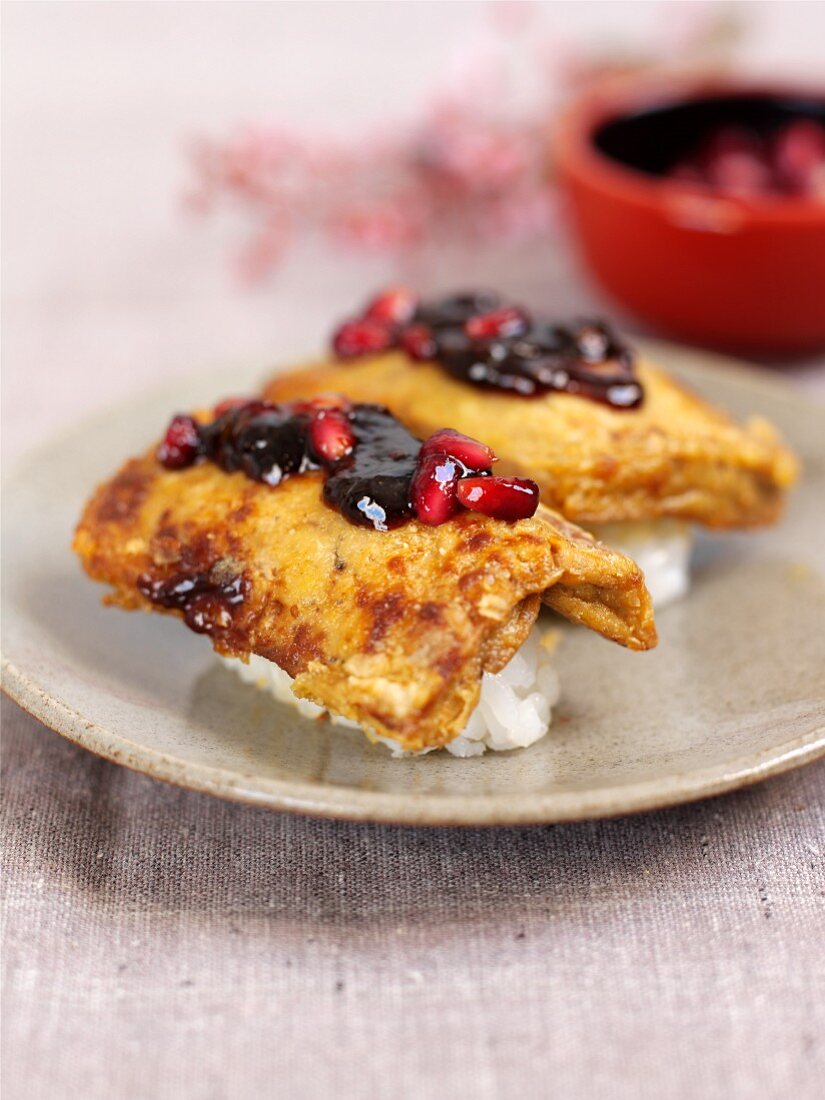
(676, 456)
(391, 629)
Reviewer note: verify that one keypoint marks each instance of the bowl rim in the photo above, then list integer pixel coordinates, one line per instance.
(578, 156)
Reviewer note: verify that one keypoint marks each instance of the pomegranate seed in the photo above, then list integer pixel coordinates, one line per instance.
(331, 435)
(229, 403)
(472, 454)
(181, 444)
(433, 488)
(322, 401)
(507, 498)
(742, 173)
(507, 321)
(799, 157)
(395, 306)
(365, 337)
(733, 160)
(418, 342)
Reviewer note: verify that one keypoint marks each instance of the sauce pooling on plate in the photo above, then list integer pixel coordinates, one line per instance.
(481, 341)
(376, 473)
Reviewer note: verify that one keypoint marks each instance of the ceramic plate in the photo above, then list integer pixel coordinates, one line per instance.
(735, 691)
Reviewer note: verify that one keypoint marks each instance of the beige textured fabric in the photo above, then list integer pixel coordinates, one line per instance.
(164, 944)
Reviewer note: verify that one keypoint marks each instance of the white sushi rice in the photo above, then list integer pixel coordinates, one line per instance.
(516, 704)
(661, 548)
(514, 711)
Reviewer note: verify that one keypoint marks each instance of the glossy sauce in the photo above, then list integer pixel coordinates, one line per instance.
(207, 599)
(586, 359)
(484, 342)
(370, 484)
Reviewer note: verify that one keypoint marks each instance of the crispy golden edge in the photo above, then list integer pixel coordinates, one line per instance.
(677, 456)
(393, 630)
(600, 588)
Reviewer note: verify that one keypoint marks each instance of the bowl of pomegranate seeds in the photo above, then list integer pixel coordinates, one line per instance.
(701, 207)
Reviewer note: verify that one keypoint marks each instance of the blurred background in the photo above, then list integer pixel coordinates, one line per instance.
(191, 184)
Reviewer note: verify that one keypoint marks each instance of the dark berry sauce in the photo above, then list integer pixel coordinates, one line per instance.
(482, 341)
(372, 484)
(377, 474)
(207, 600)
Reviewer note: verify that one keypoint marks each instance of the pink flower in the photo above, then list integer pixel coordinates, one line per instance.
(473, 169)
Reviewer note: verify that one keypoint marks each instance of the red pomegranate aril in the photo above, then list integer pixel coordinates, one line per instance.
(799, 157)
(496, 324)
(331, 435)
(742, 173)
(395, 306)
(363, 337)
(181, 444)
(507, 498)
(419, 343)
(433, 488)
(322, 401)
(229, 403)
(472, 454)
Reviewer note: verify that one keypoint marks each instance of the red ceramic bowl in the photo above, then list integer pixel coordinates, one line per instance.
(740, 273)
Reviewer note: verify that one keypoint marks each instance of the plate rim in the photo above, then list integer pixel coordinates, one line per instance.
(357, 804)
(318, 799)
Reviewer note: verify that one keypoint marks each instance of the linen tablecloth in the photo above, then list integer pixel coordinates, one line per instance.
(160, 943)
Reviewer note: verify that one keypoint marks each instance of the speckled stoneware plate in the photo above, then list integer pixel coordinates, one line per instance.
(734, 693)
